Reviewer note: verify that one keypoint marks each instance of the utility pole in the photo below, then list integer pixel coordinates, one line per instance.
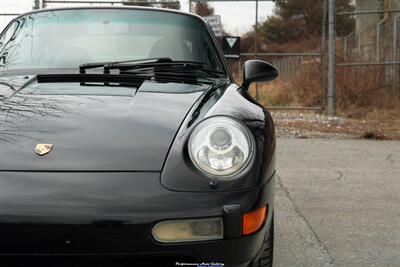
(256, 31)
(256, 45)
(331, 68)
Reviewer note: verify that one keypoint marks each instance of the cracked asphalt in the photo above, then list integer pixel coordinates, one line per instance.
(337, 203)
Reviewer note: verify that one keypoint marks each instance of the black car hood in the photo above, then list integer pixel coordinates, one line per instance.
(91, 132)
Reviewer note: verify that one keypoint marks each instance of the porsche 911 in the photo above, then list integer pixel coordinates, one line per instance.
(125, 141)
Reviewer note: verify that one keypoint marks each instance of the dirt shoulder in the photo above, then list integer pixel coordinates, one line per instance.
(300, 124)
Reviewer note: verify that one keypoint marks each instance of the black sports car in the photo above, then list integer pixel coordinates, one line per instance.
(125, 141)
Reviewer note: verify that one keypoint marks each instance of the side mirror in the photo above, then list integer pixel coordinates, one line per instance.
(258, 71)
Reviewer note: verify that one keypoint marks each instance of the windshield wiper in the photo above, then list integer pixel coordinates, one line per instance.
(86, 66)
(156, 65)
(135, 72)
(137, 64)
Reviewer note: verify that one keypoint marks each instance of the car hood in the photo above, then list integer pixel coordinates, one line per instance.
(126, 130)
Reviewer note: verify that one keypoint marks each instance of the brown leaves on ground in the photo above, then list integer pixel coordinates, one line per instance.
(310, 124)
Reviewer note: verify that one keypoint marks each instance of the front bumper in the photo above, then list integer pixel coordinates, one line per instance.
(231, 252)
(77, 216)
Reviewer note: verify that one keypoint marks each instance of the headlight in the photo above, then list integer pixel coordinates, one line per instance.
(221, 147)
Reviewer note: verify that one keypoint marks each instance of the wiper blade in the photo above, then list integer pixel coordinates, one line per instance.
(175, 68)
(136, 64)
(152, 65)
(86, 66)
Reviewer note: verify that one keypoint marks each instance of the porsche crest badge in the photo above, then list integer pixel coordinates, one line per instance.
(43, 149)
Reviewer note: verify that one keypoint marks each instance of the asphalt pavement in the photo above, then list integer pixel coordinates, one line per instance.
(337, 203)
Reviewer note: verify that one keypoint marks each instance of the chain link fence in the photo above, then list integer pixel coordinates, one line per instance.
(373, 49)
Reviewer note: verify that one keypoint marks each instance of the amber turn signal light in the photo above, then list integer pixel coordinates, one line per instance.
(253, 220)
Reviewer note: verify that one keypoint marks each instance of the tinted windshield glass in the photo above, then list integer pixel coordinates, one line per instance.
(67, 38)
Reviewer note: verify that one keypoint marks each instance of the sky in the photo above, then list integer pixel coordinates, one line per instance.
(237, 17)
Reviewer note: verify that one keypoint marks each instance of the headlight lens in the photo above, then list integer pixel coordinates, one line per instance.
(221, 147)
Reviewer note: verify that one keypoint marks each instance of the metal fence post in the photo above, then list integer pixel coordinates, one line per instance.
(36, 4)
(255, 45)
(378, 38)
(395, 57)
(323, 57)
(331, 78)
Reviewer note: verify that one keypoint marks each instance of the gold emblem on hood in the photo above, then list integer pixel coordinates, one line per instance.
(43, 149)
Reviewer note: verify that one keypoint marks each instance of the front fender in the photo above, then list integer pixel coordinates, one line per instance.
(179, 173)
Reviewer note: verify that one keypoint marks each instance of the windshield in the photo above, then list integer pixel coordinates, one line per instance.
(68, 38)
